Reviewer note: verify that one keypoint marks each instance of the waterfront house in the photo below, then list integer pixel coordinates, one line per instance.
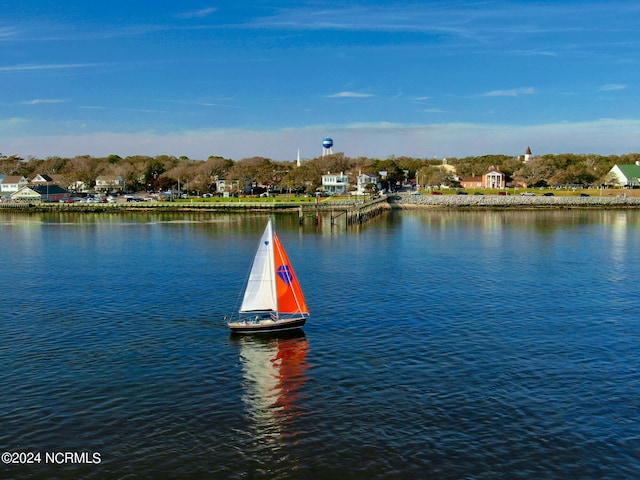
(40, 193)
(225, 187)
(365, 179)
(12, 183)
(109, 183)
(335, 184)
(626, 175)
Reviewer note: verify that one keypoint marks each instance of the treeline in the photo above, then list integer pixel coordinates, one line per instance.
(165, 172)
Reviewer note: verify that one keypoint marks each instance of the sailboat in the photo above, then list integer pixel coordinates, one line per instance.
(273, 300)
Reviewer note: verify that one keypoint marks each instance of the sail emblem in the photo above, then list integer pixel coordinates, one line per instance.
(285, 274)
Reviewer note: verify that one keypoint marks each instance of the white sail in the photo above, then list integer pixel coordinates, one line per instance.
(261, 293)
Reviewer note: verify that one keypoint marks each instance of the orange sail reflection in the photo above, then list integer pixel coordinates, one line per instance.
(274, 373)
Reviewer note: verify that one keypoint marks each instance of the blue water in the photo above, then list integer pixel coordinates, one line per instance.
(476, 345)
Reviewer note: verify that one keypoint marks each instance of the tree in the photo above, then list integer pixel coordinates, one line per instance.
(154, 169)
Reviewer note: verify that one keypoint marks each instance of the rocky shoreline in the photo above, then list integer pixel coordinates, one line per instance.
(510, 201)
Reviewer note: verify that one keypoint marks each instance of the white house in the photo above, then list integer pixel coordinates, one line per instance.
(365, 179)
(109, 183)
(12, 183)
(335, 183)
(626, 175)
(227, 186)
(494, 178)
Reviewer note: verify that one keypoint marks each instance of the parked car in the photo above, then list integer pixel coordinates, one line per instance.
(585, 195)
(461, 192)
(436, 193)
(548, 194)
(528, 194)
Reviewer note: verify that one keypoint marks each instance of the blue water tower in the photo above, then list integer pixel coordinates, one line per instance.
(327, 146)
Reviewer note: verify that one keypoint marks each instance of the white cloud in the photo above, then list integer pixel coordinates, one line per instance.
(8, 123)
(39, 101)
(612, 87)
(203, 12)
(350, 95)
(7, 33)
(514, 92)
(51, 66)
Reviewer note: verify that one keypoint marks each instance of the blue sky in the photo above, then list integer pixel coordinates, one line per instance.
(264, 78)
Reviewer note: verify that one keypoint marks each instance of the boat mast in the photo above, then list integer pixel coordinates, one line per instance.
(273, 266)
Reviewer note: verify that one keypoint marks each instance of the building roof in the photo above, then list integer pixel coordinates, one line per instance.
(114, 178)
(48, 178)
(494, 170)
(47, 189)
(13, 179)
(528, 152)
(630, 171)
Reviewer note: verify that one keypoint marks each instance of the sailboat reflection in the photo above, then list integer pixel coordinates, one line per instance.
(274, 372)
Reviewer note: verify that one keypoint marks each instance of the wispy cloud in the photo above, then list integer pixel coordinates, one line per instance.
(203, 12)
(535, 53)
(438, 18)
(7, 33)
(220, 105)
(350, 95)
(611, 87)
(6, 123)
(40, 101)
(514, 92)
(48, 66)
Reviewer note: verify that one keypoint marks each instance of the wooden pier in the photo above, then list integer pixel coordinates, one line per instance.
(356, 213)
(353, 212)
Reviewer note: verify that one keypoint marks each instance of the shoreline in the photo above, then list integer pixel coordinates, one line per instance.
(495, 202)
(397, 202)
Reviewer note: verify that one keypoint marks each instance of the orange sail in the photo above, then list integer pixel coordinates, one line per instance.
(290, 297)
